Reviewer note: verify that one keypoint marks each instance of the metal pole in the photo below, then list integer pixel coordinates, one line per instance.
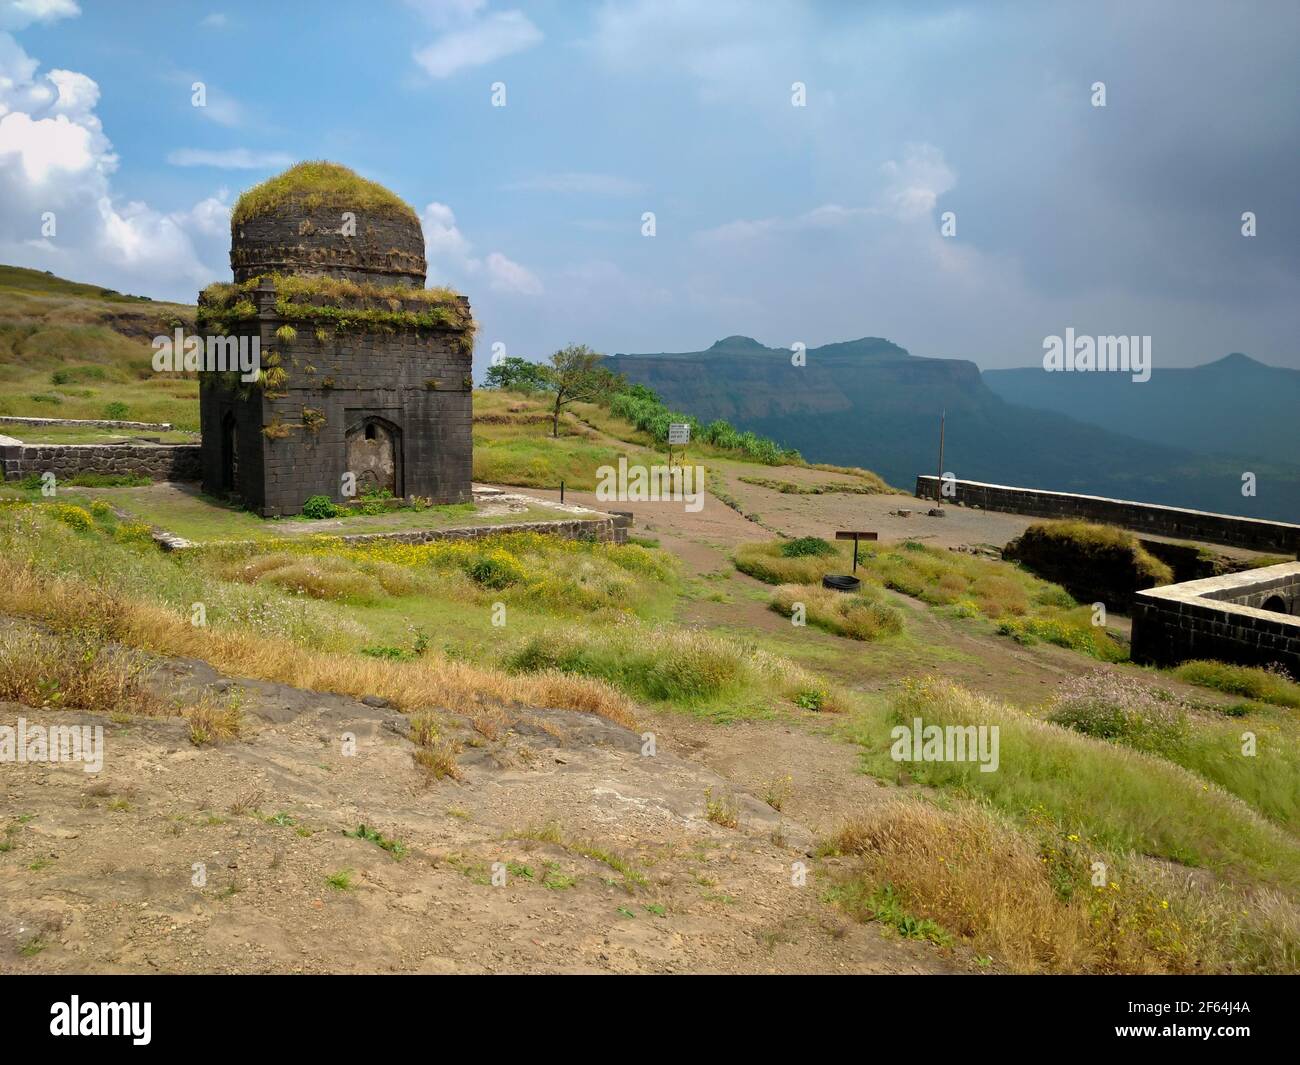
(938, 493)
(561, 491)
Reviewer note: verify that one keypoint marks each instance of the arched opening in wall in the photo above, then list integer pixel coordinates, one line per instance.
(1276, 603)
(229, 456)
(374, 455)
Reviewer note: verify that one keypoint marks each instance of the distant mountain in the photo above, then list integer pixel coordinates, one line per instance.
(868, 402)
(1233, 406)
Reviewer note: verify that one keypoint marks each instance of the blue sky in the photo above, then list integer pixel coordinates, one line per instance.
(811, 224)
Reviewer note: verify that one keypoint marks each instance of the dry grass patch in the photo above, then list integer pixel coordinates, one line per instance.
(1034, 906)
(859, 617)
(68, 604)
(74, 670)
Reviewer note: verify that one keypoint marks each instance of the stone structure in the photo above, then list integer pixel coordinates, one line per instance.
(158, 462)
(365, 381)
(1249, 618)
(1255, 534)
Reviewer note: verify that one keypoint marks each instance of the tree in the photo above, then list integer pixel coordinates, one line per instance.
(513, 374)
(575, 374)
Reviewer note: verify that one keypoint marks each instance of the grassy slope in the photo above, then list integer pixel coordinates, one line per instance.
(69, 350)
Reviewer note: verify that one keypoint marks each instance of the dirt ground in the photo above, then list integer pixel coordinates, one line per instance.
(177, 859)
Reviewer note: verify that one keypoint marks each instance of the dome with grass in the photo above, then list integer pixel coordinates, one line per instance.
(320, 218)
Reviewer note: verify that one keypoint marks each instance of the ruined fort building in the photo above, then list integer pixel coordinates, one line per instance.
(365, 374)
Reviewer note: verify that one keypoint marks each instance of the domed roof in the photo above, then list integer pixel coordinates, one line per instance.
(324, 219)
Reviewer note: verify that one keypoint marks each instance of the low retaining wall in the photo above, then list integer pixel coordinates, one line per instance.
(602, 530)
(97, 423)
(1220, 617)
(158, 462)
(1255, 534)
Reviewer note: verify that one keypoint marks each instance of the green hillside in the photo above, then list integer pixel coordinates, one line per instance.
(69, 350)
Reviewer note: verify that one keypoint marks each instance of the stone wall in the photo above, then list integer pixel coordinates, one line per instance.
(1220, 617)
(91, 423)
(416, 380)
(295, 239)
(1255, 534)
(158, 462)
(602, 530)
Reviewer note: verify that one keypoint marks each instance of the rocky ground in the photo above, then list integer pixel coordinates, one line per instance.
(218, 859)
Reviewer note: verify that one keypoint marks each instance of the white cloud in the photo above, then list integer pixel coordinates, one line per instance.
(55, 159)
(506, 275)
(230, 158)
(577, 182)
(481, 41)
(451, 256)
(910, 193)
(19, 14)
(915, 185)
(215, 21)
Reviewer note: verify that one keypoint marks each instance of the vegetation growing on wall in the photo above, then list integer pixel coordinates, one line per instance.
(320, 183)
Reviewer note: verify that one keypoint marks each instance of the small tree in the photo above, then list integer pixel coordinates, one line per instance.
(514, 374)
(575, 374)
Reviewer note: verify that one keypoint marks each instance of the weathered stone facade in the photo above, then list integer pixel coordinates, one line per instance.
(1256, 534)
(1248, 618)
(375, 390)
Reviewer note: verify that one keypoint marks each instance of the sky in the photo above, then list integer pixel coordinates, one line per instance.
(791, 224)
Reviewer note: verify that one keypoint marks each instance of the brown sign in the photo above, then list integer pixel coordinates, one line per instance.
(855, 536)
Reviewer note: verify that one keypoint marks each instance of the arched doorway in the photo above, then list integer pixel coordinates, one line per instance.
(1276, 603)
(229, 455)
(374, 455)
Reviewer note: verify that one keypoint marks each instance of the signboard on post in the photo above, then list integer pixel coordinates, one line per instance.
(678, 433)
(855, 535)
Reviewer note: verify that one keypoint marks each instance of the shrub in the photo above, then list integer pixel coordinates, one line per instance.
(72, 516)
(116, 411)
(134, 532)
(318, 507)
(807, 546)
(496, 568)
(1109, 707)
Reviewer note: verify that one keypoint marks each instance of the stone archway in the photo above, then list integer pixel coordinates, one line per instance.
(374, 455)
(1275, 603)
(229, 455)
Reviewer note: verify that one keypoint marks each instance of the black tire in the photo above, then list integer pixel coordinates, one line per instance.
(841, 582)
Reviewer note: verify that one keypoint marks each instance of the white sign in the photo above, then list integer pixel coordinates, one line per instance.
(679, 433)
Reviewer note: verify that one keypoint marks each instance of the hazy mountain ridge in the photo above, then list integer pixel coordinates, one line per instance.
(1235, 405)
(869, 402)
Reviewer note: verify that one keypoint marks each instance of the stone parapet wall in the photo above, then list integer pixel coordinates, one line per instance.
(1220, 618)
(85, 423)
(158, 462)
(1255, 534)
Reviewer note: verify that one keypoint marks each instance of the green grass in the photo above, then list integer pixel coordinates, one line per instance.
(1254, 683)
(1027, 609)
(1048, 775)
